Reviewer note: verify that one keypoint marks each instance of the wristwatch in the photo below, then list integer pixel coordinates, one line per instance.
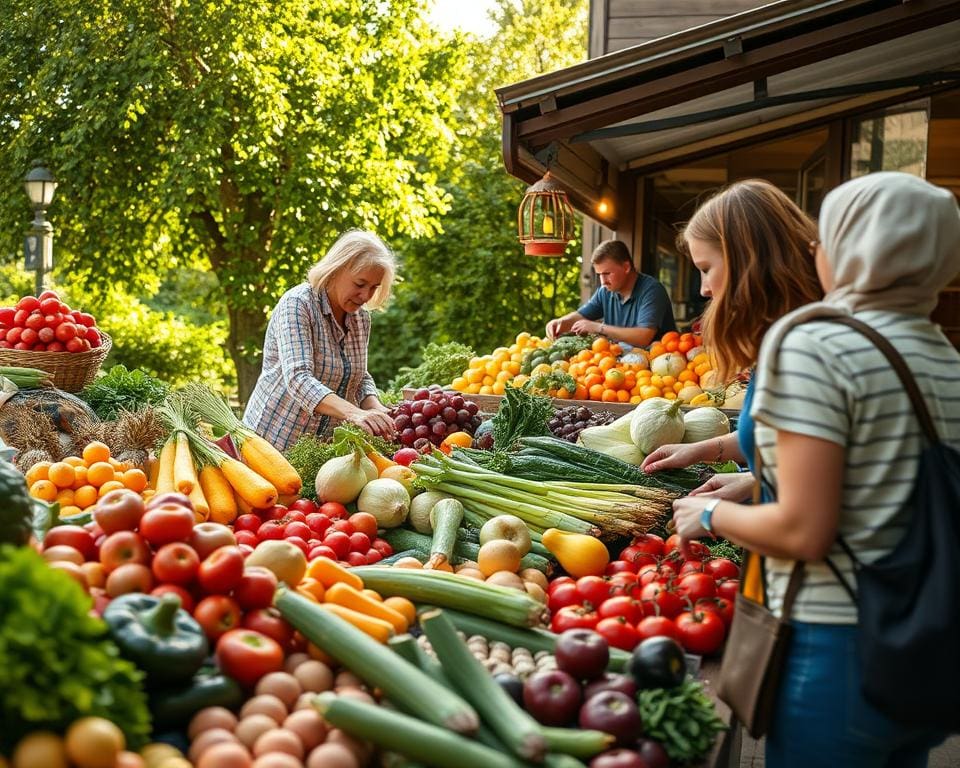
(706, 517)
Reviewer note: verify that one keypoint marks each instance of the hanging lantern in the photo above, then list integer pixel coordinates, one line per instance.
(545, 219)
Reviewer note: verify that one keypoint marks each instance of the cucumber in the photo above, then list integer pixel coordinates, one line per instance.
(445, 518)
(419, 546)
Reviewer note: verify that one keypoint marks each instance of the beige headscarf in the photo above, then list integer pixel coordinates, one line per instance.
(892, 242)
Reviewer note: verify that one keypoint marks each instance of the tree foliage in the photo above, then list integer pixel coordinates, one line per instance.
(242, 136)
(472, 282)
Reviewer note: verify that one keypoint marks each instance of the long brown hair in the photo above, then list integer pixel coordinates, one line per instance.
(765, 240)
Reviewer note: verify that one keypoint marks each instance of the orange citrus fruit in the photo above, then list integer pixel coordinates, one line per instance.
(96, 451)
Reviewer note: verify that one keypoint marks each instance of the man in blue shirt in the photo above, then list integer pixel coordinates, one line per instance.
(629, 307)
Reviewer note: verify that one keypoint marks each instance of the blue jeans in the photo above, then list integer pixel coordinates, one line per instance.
(823, 720)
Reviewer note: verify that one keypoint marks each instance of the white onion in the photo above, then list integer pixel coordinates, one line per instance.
(342, 478)
(385, 499)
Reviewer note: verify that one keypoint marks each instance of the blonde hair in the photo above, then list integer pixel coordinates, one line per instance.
(765, 241)
(356, 250)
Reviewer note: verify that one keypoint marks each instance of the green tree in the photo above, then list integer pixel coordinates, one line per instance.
(472, 282)
(241, 136)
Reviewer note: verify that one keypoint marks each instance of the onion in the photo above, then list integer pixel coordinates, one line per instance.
(420, 510)
(386, 500)
(342, 478)
(369, 468)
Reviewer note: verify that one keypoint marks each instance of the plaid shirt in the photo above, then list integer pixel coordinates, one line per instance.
(307, 356)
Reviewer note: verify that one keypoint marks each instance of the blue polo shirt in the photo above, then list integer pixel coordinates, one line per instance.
(647, 307)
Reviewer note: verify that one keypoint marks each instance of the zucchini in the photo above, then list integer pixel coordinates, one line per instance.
(518, 730)
(408, 736)
(417, 545)
(532, 639)
(448, 590)
(577, 742)
(445, 518)
(404, 683)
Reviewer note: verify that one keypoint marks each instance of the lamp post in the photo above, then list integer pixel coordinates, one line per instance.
(38, 244)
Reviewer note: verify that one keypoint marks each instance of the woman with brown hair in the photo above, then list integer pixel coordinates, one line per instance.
(752, 246)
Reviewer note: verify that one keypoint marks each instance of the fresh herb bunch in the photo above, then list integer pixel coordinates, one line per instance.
(306, 456)
(57, 662)
(545, 382)
(727, 549)
(441, 364)
(521, 414)
(347, 435)
(682, 719)
(122, 390)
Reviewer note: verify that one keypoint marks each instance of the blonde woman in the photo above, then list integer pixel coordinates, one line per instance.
(314, 372)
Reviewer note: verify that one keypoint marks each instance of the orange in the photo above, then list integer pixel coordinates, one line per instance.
(609, 396)
(656, 350)
(670, 336)
(607, 363)
(85, 496)
(96, 451)
(600, 344)
(69, 510)
(110, 485)
(61, 474)
(649, 391)
(44, 489)
(686, 375)
(581, 392)
(616, 350)
(669, 395)
(74, 461)
(596, 391)
(656, 381)
(684, 346)
(623, 395)
(79, 477)
(593, 378)
(635, 399)
(38, 472)
(669, 381)
(65, 497)
(671, 346)
(99, 473)
(136, 480)
(614, 378)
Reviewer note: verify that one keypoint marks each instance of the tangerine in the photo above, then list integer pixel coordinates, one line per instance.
(96, 451)
(100, 472)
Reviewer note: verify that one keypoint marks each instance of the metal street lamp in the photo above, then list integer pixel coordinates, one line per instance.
(38, 244)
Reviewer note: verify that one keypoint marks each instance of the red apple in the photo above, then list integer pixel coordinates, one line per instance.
(208, 537)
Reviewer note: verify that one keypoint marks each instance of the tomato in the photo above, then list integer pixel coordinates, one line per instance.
(74, 536)
(697, 586)
(720, 606)
(186, 599)
(87, 320)
(563, 595)
(722, 568)
(691, 566)
(45, 335)
(66, 332)
(558, 582)
(593, 589)
(119, 510)
(301, 544)
(6, 316)
(53, 320)
(276, 512)
(247, 655)
(728, 588)
(359, 542)
(121, 548)
(247, 522)
(657, 626)
(93, 338)
(339, 542)
(129, 577)
(247, 538)
(688, 550)
(269, 622)
(271, 530)
(170, 497)
(620, 566)
(364, 522)
(333, 509)
(175, 563)
(217, 614)
(701, 632)
(221, 571)
(356, 558)
(623, 606)
(166, 523)
(649, 544)
(50, 305)
(373, 557)
(659, 573)
(298, 529)
(49, 294)
(29, 336)
(636, 557)
(34, 321)
(307, 506)
(618, 632)
(668, 602)
(382, 546)
(28, 304)
(322, 550)
(573, 617)
(13, 335)
(256, 588)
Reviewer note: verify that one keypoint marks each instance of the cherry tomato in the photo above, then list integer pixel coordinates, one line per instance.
(573, 617)
(593, 589)
(217, 614)
(562, 595)
(307, 506)
(622, 606)
(333, 509)
(175, 563)
(701, 632)
(221, 571)
(722, 568)
(247, 655)
(618, 632)
(657, 626)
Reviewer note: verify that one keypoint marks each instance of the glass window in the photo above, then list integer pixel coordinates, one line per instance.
(895, 140)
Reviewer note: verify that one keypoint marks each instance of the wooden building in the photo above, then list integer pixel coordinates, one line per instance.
(804, 93)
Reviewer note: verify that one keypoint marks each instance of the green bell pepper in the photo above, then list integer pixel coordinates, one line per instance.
(157, 635)
(173, 707)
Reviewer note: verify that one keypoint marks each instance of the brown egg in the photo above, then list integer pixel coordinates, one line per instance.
(278, 760)
(346, 678)
(361, 749)
(127, 759)
(252, 727)
(357, 694)
(305, 701)
(211, 717)
(225, 755)
(309, 727)
(331, 756)
(207, 739)
(283, 685)
(314, 676)
(268, 705)
(294, 660)
(278, 740)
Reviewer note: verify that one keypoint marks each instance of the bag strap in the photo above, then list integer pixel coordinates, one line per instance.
(900, 367)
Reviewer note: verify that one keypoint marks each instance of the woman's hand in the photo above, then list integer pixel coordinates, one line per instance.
(686, 516)
(375, 422)
(730, 486)
(673, 456)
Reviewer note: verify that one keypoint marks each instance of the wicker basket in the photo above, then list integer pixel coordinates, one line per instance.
(70, 371)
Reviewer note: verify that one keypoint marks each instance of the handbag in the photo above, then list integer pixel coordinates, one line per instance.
(758, 642)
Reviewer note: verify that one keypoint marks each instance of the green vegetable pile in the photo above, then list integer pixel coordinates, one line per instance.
(122, 390)
(683, 719)
(727, 549)
(521, 414)
(562, 349)
(441, 364)
(57, 662)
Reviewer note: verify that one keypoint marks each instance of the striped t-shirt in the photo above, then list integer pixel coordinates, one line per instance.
(832, 383)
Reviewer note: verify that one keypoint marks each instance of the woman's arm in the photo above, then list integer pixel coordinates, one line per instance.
(801, 524)
(374, 421)
(681, 455)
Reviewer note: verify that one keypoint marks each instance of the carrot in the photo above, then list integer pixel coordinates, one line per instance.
(329, 572)
(184, 473)
(270, 464)
(258, 492)
(219, 495)
(380, 461)
(404, 607)
(165, 467)
(348, 597)
(378, 629)
(313, 588)
(201, 509)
